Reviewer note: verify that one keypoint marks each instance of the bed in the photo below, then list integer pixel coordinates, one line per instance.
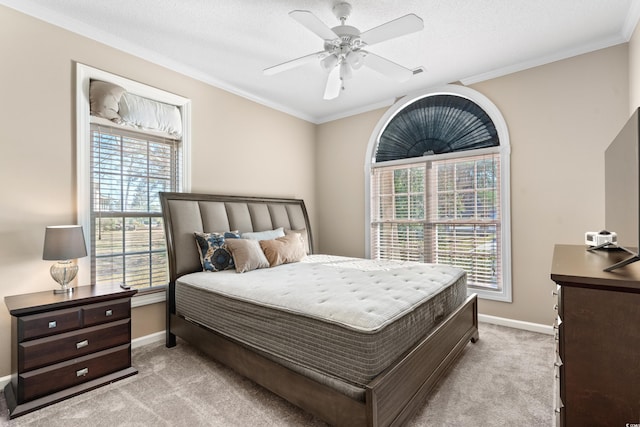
(353, 364)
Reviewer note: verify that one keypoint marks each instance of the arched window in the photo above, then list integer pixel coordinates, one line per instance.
(437, 184)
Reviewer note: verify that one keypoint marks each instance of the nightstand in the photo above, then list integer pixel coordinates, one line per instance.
(65, 344)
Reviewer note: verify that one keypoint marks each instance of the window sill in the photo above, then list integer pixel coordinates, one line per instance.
(148, 297)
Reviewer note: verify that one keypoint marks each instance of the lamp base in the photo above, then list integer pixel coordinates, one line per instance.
(63, 272)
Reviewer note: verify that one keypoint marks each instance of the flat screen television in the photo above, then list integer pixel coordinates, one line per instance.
(622, 189)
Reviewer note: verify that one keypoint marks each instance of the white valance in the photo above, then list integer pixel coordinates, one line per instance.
(112, 102)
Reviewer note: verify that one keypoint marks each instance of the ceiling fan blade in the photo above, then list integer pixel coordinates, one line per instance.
(334, 84)
(388, 68)
(313, 24)
(294, 63)
(398, 27)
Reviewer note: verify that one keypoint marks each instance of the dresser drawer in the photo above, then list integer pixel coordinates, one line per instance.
(558, 406)
(45, 324)
(45, 351)
(95, 314)
(43, 381)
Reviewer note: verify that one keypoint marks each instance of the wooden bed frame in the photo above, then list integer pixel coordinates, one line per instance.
(391, 398)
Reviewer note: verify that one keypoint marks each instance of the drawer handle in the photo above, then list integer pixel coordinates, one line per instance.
(82, 372)
(81, 344)
(53, 324)
(108, 313)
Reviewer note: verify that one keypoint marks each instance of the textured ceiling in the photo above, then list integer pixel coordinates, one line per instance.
(229, 42)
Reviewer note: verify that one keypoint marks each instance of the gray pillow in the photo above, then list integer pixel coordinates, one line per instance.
(104, 98)
(247, 254)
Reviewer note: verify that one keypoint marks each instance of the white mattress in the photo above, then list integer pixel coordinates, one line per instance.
(344, 317)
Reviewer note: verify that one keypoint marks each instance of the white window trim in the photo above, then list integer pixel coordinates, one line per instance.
(84, 74)
(505, 155)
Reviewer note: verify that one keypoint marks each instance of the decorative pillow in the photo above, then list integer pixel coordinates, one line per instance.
(214, 255)
(284, 250)
(264, 235)
(305, 237)
(247, 255)
(148, 114)
(104, 98)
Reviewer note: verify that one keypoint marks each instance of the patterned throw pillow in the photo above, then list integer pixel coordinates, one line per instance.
(214, 255)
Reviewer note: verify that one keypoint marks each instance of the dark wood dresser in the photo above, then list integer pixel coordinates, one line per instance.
(66, 344)
(598, 338)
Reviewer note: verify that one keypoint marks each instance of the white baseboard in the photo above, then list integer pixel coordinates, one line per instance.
(4, 381)
(517, 324)
(147, 339)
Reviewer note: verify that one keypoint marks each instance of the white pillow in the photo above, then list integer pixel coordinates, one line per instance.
(104, 98)
(148, 114)
(264, 235)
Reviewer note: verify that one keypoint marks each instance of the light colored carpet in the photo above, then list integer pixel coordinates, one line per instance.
(505, 379)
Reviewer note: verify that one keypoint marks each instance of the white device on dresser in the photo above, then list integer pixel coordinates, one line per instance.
(600, 238)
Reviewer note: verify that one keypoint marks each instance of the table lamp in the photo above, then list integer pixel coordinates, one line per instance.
(62, 243)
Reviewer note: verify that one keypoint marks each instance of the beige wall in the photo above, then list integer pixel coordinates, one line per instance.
(560, 117)
(239, 147)
(340, 153)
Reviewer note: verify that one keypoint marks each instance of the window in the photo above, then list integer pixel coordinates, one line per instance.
(128, 170)
(465, 217)
(121, 170)
(437, 188)
(399, 215)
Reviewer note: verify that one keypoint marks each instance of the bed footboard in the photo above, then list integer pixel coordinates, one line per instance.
(392, 398)
(315, 398)
(395, 395)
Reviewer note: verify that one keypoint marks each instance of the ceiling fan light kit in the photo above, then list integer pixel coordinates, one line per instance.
(344, 47)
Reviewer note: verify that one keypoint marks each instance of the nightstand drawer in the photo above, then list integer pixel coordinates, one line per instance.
(95, 314)
(45, 324)
(45, 351)
(40, 382)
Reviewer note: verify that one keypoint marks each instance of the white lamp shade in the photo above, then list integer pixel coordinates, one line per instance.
(329, 62)
(63, 242)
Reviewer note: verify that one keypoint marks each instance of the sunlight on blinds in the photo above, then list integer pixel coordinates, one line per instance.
(464, 216)
(127, 237)
(440, 211)
(398, 213)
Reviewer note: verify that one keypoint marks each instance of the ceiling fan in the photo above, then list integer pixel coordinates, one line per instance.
(344, 48)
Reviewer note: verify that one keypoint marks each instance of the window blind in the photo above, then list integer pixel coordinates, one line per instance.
(398, 212)
(128, 169)
(442, 211)
(464, 216)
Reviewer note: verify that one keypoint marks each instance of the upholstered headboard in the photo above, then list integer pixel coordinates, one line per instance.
(185, 213)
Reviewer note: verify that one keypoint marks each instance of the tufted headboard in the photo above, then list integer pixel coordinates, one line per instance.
(185, 213)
